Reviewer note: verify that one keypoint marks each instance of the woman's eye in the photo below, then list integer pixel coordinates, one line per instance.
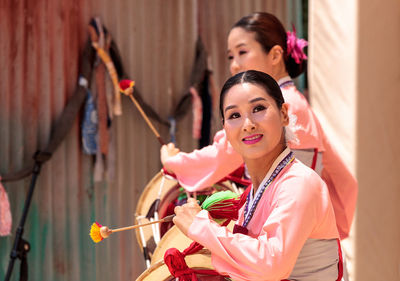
(230, 57)
(259, 108)
(242, 52)
(234, 115)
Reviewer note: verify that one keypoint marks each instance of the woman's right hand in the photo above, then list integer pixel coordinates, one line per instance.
(185, 215)
(167, 151)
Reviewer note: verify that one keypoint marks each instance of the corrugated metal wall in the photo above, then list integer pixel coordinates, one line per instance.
(40, 44)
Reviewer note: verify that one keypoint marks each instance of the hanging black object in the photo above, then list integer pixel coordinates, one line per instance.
(207, 111)
(21, 247)
(200, 79)
(60, 130)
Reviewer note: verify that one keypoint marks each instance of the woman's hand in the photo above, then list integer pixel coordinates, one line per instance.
(167, 151)
(185, 215)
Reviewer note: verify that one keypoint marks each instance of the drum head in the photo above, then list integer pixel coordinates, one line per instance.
(169, 192)
(174, 238)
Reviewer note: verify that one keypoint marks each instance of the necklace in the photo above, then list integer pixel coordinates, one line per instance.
(248, 213)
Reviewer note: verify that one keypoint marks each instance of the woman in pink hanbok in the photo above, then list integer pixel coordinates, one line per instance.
(260, 42)
(286, 229)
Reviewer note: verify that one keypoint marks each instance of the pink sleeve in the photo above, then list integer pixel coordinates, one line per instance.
(297, 210)
(202, 168)
(343, 188)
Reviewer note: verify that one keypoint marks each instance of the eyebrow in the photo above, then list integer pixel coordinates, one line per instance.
(229, 107)
(251, 101)
(237, 46)
(257, 99)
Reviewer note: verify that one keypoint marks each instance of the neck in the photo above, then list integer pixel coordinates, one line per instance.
(281, 75)
(258, 168)
(280, 71)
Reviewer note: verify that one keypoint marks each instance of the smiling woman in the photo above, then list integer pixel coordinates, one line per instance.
(287, 227)
(253, 120)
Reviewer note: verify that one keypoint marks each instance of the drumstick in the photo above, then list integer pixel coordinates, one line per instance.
(126, 87)
(99, 232)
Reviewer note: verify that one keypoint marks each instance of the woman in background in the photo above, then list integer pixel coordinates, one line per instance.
(260, 42)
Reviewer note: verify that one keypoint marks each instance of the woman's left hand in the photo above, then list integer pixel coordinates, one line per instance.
(185, 215)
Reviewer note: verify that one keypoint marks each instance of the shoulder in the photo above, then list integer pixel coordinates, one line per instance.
(302, 173)
(305, 124)
(301, 182)
(220, 136)
(295, 98)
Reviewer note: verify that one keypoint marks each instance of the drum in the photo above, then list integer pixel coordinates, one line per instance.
(200, 260)
(167, 190)
(174, 238)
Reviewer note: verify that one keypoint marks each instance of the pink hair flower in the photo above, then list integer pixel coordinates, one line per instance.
(295, 46)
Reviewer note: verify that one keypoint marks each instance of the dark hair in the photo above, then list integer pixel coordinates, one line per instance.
(256, 78)
(269, 32)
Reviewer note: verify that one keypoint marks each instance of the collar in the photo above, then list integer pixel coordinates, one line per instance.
(268, 175)
(285, 81)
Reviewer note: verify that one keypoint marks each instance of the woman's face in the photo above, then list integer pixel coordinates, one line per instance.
(245, 53)
(252, 121)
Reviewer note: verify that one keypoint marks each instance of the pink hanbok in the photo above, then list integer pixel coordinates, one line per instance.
(291, 228)
(202, 168)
